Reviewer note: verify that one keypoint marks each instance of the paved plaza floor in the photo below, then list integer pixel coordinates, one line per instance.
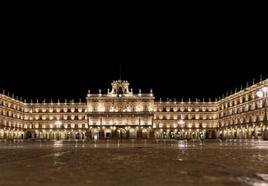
(134, 162)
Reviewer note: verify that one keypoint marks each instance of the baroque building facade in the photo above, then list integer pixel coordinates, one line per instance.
(121, 114)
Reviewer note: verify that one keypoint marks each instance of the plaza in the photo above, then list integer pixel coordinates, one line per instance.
(134, 162)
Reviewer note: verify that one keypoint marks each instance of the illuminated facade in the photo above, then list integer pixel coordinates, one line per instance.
(121, 114)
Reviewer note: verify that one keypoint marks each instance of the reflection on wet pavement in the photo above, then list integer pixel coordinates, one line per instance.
(231, 162)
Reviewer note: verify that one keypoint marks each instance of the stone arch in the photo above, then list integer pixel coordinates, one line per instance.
(145, 134)
(157, 134)
(28, 135)
(180, 134)
(107, 133)
(21, 135)
(88, 134)
(132, 133)
(210, 134)
(95, 133)
(121, 133)
(165, 134)
(172, 134)
(77, 135)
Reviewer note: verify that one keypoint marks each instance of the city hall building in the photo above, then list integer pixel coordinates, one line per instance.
(119, 113)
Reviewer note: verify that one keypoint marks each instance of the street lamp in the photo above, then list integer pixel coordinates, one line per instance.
(262, 93)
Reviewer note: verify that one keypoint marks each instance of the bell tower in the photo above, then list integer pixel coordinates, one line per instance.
(120, 88)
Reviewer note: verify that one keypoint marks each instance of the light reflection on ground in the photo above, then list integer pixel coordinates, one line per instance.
(134, 162)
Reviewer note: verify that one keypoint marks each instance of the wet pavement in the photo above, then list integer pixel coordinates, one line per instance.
(115, 163)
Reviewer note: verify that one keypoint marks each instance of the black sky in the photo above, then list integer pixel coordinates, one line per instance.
(47, 80)
(194, 58)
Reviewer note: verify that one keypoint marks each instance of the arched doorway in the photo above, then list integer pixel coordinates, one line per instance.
(211, 134)
(179, 135)
(144, 134)
(132, 133)
(95, 134)
(164, 134)
(88, 134)
(77, 136)
(5, 135)
(28, 135)
(108, 133)
(121, 133)
(172, 134)
(157, 135)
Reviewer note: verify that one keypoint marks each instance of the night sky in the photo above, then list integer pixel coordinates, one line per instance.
(166, 79)
(193, 60)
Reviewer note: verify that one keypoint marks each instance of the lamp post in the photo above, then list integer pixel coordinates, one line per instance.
(262, 93)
